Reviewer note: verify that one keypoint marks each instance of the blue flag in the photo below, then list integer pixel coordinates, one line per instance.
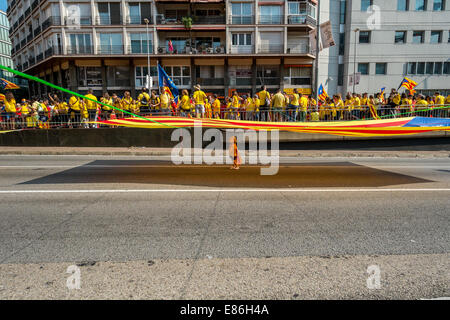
(167, 84)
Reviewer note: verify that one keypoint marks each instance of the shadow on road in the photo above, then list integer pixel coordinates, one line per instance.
(332, 174)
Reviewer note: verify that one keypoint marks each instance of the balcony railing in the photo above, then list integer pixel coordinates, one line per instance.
(35, 4)
(304, 49)
(37, 31)
(138, 20)
(139, 49)
(80, 50)
(211, 81)
(11, 30)
(301, 19)
(110, 49)
(209, 20)
(52, 51)
(200, 49)
(272, 81)
(83, 20)
(271, 48)
(51, 21)
(162, 19)
(13, 50)
(242, 19)
(242, 49)
(21, 18)
(271, 19)
(108, 20)
(39, 57)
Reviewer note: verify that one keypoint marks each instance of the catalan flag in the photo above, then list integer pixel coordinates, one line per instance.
(2, 97)
(8, 85)
(408, 84)
(322, 93)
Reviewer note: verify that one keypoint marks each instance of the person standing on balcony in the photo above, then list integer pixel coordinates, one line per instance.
(199, 98)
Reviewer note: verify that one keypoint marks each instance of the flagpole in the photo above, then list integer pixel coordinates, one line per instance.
(316, 71)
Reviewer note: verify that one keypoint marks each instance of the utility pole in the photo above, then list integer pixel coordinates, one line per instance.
(149, 77)
(316, 70)
(354, 62)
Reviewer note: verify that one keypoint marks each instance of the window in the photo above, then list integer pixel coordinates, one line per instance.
(342, 12)
(270, 15)
(364, 36)
(412, 66)
(421, 68)
(80, 43)
(438, 5)
(402, 5)
(418, 36)
(242, 13)
(241, 39)
(109, 13)
(180, 75)
(400, 36)
(118, 76)
(380, 68)
(139, 43)
(341, 75)
(138, 12)
(421, 5)
(267, 75)
(341, 44)
(90, 76)
(299, 76)
(365, 4)
(438, 68)
(446, 67)
(179, 44)
(78, 14)
(430, 66)
(436, 37)
(141, 74)
(363, 68)
(111, 43)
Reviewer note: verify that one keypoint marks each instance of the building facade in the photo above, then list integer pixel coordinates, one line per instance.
(221, 45)
(393, 39)
(5, 45)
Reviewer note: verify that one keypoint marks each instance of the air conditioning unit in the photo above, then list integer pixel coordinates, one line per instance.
(209, 50)
(220, 50)
(162, 50)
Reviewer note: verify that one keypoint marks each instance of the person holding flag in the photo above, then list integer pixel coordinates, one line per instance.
(166, 84)
(8, 85)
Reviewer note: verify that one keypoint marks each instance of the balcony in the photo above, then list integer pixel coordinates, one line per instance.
(271, 19)
(23, 43)
(27, 12)
(17, 47)
(31, 61)
(35, 4)
(52, 51)
(83, 21)
(162, 19)
(301, 49)
(16, 25)
(242, 49)
(301, 19)
(108, 20)
(139, 49)
(271, 48)
(80, 50)
(39, 57)
(138, 20)
(242, 19)
(21, 18)
(11, 30)
(110, 49)
(13, 51)
(272, 81)
(51, 21)
(209, 20)
(29, 37)
(37, 31)
(199, 49)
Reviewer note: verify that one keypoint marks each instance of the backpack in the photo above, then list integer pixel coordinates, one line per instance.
(144, 100)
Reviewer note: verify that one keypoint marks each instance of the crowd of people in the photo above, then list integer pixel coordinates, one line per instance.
(52, 111)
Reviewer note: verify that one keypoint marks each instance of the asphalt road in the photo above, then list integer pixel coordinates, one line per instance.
(209, 232)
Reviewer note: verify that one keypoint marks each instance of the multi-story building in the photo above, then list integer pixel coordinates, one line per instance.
(5, 46)
(104, 45)
(393, 39)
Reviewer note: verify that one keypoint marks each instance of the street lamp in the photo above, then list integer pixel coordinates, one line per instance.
(354, 62)
(149, 77)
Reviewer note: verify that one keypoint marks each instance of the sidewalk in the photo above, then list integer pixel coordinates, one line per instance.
(141, 151)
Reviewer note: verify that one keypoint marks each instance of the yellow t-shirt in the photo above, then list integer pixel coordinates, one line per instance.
(118, 104)
(216, 106)
(74, 103)
(126, 103)
(439, 101)
(249, 105)
(164, 98)
(303, 103)
(278, 101)
(108, 102)
(397, 99)
(10, 106)
(25, 108)
(90, 104)
(349, 104)
(235, 103)
(263, 95)
(421, 104)
(62, 107)
(257, 103)
(199, 97)
(295, 98)
(185, 103)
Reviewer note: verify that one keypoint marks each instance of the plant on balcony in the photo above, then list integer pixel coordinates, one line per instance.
(187, 22)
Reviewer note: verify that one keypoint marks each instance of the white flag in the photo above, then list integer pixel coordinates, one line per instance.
(327, 35)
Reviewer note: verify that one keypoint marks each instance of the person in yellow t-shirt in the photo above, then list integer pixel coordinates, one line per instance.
(184, 104)
(144, 101)
(91, 106)
(106, 109)
(249, 108)
(216, 107)
(164, 99)
(264, 98)
(294, 106)
(208, 113)
(302, 106)
(421, 106)
(154, 103)
(75, 110)
(447, 107)
(356, 111)
(257, 103)
(199, 100)
(278, 102)
(10, 109)
(235, 105)
(348, 105)
(117, 103)
(439, 102)
(127, 102)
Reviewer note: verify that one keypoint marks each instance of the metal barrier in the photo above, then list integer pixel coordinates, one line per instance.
(55, 119)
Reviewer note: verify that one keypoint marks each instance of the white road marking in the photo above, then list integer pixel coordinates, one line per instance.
(222, 190)
(220, 166)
